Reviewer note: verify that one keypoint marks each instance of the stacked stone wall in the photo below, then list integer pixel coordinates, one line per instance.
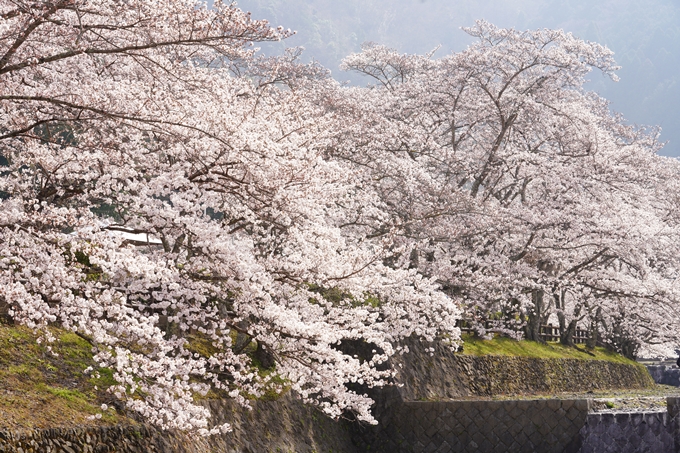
(282, 426)
(449, 375)
(119, 439)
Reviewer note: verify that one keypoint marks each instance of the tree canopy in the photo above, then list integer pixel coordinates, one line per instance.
(212, 219)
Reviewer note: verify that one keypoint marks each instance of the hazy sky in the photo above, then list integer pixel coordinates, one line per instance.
(644, 34)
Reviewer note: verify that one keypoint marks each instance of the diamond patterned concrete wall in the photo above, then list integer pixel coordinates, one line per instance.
(628, 433)
(479, 426)
(666, 375)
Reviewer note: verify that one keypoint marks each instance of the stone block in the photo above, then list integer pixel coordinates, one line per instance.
(608, 419)
(499, 428)
(582, 405)
(445, 447)
(553, 421)
(516, 428)
(466, 421)
(616, 431)
(430, 448)
(536, 440)
(623, 418)
(503, 417)
(517, 412)
(554, 404)
(506, 438)
(459, 411)
(446, 429)
(525, 405)
(649, 437)
(537, 418)
(588, 448)
(485, 413)
(486, 445)
(529, 429)
(472, 411)
(574, 413)
(544, 429)
(509, 405)
(673, 406)
(431, 431)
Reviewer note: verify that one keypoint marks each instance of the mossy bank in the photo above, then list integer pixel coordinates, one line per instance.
(506, 367)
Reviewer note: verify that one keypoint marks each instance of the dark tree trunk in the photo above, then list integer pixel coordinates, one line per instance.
(4, 313)
(264, 356)
(536, 316)
(594, 336)
(567, 336)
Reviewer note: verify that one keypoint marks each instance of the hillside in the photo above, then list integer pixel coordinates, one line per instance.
(43, 389)
(506, 347)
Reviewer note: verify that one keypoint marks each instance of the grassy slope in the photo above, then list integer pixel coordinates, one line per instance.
(512, 348)
(39, 389)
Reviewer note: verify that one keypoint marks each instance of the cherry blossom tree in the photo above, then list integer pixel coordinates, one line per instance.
(518, 189)
(168, 196)
(211, 219)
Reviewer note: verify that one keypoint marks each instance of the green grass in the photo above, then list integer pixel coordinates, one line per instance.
(507, 347)
(39, 389)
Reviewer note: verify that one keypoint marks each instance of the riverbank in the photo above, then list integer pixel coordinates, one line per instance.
(46, 399)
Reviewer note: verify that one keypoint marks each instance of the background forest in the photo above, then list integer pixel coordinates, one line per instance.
(644, 35)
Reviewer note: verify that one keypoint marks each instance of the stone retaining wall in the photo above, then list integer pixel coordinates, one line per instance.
(119, 439)
(449, 375)
(407, 423)
(281, 426)
(537, 426)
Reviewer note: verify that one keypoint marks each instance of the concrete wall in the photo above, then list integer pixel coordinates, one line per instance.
(538, 426)
(549, 426)
(665, 374)
(628, 433)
